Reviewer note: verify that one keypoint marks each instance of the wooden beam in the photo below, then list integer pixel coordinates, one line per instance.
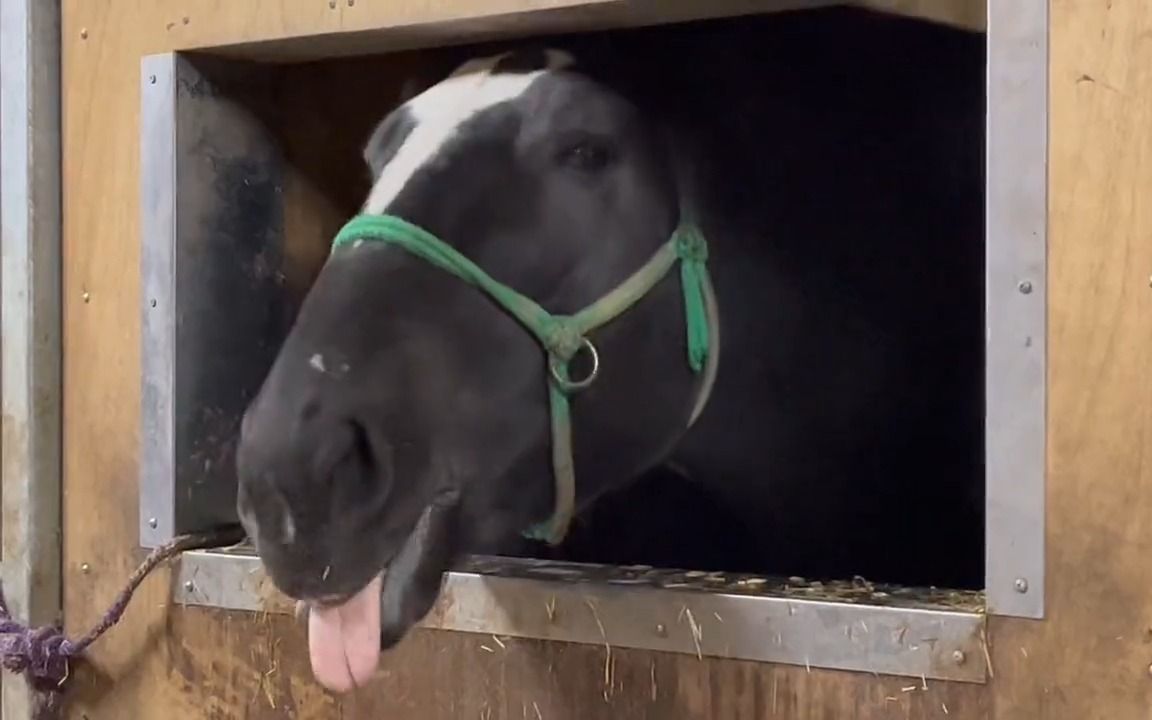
(308, 29)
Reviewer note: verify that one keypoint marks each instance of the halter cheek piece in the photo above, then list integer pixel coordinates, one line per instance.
(564, 336)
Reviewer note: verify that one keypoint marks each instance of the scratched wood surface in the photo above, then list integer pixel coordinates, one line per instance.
(1089, 660)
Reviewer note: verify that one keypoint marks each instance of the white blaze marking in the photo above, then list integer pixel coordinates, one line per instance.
(317, 362)
(287, 528)
(439, 112)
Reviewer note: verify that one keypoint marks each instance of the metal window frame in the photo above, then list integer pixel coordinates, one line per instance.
(776, 627)
(1016, 306)
(711, 615)
(30, 302)
(214, 308)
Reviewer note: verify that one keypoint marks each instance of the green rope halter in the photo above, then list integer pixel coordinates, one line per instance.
(562, 336)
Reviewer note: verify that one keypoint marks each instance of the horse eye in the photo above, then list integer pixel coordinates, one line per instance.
(586, 156)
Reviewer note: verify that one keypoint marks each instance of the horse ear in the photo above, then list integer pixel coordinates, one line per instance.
(411, 87)
(386, 140)
(391, 131)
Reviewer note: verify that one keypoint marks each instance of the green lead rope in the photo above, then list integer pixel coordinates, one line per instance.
(693, 253)
(561, 336)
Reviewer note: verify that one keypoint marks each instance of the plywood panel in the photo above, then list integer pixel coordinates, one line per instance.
(1091, 658)
(210, 664)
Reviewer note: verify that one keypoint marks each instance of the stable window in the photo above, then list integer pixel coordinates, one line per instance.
(924, 143)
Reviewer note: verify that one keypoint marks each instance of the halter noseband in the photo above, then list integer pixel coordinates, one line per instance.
(564, 336)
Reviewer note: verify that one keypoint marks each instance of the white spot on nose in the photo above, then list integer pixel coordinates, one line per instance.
(317, 363)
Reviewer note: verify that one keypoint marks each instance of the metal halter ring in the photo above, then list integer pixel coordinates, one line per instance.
(567, 384)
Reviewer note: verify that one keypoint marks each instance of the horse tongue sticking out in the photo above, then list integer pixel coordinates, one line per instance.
(344, 640)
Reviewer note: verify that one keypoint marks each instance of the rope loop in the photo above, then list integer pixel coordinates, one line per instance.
(40, 654)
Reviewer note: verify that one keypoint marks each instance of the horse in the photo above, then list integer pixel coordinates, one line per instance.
(827, 166)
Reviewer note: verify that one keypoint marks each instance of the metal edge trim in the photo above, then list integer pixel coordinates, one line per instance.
(30, 215)
(158, 295)
(891, 640)
(1016, 303)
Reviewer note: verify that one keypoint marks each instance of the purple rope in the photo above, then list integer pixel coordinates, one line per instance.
(42, 655)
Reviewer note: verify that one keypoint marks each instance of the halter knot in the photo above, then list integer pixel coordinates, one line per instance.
(562, 339)
(691, 245)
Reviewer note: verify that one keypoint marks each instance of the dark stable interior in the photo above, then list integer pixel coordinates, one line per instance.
(872, 126)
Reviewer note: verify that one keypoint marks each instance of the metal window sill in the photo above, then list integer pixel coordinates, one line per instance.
(924, 634)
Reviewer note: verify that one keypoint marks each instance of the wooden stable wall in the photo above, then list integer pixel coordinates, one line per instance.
(1090, 659)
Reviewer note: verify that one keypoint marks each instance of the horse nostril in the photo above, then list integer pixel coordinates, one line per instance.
(362, 451)
(358, 474)
(360, 442)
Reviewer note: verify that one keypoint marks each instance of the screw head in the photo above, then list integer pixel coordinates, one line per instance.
(152, 79)
(959, 657)
(86, 297)
(661, 630)
(189, 586)
(1025, 286)
(83, 33)
(152, 302)
(85, 568)
(1021, 585)
(153, 523)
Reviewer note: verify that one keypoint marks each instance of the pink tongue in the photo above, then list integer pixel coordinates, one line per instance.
(344, 641)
